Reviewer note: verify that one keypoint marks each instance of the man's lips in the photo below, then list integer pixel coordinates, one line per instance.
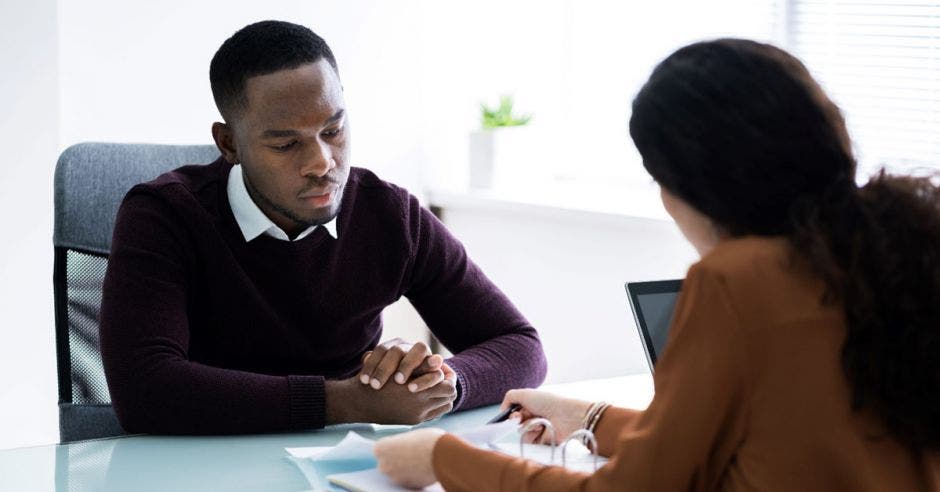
(319, 191)
(319, 196)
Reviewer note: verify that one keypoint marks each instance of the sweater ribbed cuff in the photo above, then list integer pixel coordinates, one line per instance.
(461, 387)
(307, 402)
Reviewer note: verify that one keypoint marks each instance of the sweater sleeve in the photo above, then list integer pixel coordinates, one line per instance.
(495, 347)
(685, 440)
(145, 333)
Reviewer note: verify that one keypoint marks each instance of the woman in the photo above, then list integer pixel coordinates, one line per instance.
(804, 348)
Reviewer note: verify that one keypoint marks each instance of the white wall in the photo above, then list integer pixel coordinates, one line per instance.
(565, 270)
(29, 138)
(139, 71)
(574, 64)
(473, 52)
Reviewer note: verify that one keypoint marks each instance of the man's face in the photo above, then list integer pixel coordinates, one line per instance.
(292, 141)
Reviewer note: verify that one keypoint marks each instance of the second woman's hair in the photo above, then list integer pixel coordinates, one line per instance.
(742, 132)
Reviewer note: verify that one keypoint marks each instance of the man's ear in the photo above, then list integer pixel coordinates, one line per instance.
(225, 141)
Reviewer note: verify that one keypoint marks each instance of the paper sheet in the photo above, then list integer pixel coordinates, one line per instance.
(351, 463)
(372, 481)
(356, 447)
(488, 433)
(352, 447)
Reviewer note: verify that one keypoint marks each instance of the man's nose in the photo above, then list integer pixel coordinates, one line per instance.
(317, 161)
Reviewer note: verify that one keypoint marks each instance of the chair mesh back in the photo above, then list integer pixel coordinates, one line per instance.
(90, 181)
(84, 275)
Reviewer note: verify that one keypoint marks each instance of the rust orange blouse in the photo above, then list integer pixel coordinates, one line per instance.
(750, 395)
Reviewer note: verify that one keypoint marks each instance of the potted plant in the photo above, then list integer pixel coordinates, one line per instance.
(500, 146)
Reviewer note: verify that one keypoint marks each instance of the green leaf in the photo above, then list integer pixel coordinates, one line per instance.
(502, 115)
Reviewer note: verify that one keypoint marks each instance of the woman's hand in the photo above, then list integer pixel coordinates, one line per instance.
(407, 458)
(565, 414)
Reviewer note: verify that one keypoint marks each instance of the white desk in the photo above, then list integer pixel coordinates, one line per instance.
(244, 462)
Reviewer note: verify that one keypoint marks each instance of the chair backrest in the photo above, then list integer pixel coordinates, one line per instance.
(91, 179)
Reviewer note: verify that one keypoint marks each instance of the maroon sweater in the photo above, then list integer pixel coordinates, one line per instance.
(202, 332)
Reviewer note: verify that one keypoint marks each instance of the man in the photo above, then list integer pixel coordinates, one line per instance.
(246, 295)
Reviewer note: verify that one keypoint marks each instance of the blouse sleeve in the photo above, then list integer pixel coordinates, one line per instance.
(683, 441)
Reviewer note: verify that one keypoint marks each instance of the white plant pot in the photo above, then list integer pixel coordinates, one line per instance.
(502, 156)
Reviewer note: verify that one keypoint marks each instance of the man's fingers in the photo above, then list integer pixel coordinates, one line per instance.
(388, 365)
(449, 373)
(372, 359)
(418, 354)
(369, 364)
(363, 376)
(441, 410)
(426, 381)
(429, 364)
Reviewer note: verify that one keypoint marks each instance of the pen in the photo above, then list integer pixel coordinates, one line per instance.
(501, 416)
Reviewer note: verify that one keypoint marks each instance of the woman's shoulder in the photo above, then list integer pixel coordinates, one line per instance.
(765, 279)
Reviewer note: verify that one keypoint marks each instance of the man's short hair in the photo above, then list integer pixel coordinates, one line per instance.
(259, 49)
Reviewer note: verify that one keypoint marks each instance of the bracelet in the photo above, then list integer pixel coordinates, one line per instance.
(586, 421)
(597, 416)
(591, 418)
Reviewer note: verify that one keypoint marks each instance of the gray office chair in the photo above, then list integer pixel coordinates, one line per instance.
(91, 179)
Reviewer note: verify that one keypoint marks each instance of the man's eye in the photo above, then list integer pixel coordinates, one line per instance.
(285, 147)
(333, 133)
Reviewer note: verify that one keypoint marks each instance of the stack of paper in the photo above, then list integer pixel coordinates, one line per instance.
(371, 480)
(351, 463)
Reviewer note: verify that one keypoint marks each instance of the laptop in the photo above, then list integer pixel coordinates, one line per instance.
(653, 304)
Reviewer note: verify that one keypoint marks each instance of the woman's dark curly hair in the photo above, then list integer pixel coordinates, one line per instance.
(742, 132)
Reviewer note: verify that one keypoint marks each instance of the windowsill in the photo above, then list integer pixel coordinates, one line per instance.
(578, 200)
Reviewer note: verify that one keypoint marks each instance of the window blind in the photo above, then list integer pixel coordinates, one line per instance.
(880, 62)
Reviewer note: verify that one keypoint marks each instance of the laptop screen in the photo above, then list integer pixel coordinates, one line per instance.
(653, 304)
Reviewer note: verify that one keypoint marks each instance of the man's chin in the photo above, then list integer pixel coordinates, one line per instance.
(322, 215)
(321, 218)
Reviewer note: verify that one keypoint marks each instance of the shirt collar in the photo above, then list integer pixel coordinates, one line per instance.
(251, 220)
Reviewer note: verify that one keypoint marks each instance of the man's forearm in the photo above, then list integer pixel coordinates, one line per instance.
(169, 395)
(492, 367)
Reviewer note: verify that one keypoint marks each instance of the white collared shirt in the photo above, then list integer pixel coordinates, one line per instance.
(251, 220)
